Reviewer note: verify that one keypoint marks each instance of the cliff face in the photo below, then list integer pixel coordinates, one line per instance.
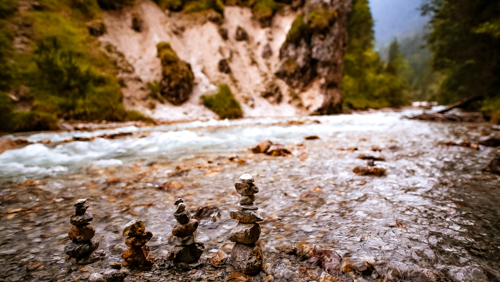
(313, 52)
(237, 50)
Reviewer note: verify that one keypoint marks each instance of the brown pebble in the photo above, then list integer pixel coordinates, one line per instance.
(186, 229)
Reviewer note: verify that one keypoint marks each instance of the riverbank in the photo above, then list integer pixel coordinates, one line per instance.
(433, 217)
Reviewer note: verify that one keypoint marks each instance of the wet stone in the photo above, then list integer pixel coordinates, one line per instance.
(248, 207)
(134, 228)
(182, 230)
(81, 219)
(247, 200)
(183, 241)
(246, 233)
(79, 234)
(138, 257)
(114, 275)
(80, 250)
(187, 254)
(182, 217)
(245, 216)
(247, 259)
(246, 189)
(139, 241)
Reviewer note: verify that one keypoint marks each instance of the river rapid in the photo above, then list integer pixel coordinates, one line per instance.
(435, 216)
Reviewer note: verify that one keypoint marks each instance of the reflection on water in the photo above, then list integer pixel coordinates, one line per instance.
(434, 214)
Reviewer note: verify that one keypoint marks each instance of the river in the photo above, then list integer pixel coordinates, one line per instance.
(434, 216)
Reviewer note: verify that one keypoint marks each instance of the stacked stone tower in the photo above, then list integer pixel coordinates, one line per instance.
(247, 254)
(137, 255)
(185, 249)
(81, 233)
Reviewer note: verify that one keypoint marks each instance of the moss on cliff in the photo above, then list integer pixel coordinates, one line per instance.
(319, 20)
(66, 73)
(177, 77)
(191, 6)
(223, 103)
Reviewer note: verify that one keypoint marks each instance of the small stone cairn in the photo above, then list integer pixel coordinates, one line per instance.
(247, 256)
(185, 250)
(137, 255)
(81, 233)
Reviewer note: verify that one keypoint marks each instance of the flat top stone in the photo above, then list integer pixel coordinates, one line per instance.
(80, 202)
(246, 178)
(180, 208)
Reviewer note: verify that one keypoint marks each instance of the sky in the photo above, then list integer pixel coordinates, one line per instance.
(396, 18)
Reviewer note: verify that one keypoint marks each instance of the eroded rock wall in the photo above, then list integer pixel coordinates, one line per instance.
(252, 60)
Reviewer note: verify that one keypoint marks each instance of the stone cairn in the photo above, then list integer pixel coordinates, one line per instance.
(81, 233)
(247, 254)
(185, 249)
(137, 255)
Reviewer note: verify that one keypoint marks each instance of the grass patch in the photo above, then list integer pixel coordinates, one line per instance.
(223, 103)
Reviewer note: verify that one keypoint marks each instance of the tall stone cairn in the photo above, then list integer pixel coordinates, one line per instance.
(185, 249)
(81, 233)
(137, 254)
(247, 256)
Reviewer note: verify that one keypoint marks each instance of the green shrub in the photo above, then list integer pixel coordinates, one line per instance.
(177, 76)
(89, 8)
(298, 30)
(204, 5)
(223, 103)
(138, 116)
(7, 8)
(33, 121)
(264, 10)
(115, 4)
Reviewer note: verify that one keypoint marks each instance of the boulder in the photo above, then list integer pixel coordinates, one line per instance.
(262, 147)
(494, 165)
(245, 233)
(247, 259)
(177, 77)
(489, 141)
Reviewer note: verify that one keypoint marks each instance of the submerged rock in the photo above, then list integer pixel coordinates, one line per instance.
(494, 165)
(489, 141)
(369, 170)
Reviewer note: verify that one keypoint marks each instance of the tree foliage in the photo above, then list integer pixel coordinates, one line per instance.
(465, 40)
(367, 82)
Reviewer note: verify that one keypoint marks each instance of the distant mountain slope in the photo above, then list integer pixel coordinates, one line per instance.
(396, 18)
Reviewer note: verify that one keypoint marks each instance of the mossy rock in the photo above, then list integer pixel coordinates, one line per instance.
(264, 10)
(224, 104)
(177, 77)
(319, 20)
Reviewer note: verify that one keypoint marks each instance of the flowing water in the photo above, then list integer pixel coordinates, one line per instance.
(434, 217)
